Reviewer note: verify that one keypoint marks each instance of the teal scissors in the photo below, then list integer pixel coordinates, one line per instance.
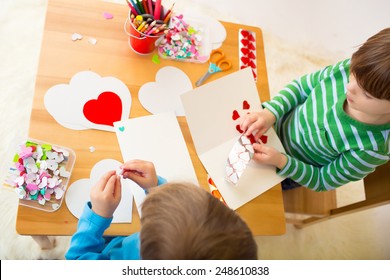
(218, 63)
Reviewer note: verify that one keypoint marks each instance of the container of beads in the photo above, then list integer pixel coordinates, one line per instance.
(40, 173)
(187, 40)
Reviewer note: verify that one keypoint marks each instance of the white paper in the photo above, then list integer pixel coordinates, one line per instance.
(209, 116)
(156, 138)
(65, 102)
(163, 95)
(79, 192)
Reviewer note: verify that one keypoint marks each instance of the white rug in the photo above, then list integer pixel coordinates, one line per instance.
(359, 236)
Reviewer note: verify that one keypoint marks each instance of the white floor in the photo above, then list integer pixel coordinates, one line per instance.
(300, 36)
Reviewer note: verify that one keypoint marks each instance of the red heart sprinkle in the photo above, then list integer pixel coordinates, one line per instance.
(251, 38)
(235, 115)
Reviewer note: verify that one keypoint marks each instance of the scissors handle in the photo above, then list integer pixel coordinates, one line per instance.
(224, 64)
(203, 78)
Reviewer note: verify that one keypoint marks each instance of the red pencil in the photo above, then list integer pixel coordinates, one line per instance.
(150, 6)
(157, 10)
(133, 11)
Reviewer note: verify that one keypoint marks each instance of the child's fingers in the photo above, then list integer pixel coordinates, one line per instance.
(104, 179)
(110, 185)
(118, 187)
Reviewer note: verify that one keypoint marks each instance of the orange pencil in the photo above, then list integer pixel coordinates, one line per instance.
(168, 14)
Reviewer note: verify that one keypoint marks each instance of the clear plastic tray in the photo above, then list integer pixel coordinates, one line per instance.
(204, 49)
(33, 161)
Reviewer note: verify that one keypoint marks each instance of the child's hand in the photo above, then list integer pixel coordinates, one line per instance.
(258, 122)
(106, 194)
(140, 171)
(269, 155)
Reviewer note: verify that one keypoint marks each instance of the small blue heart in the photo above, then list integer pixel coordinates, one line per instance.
(122, 128)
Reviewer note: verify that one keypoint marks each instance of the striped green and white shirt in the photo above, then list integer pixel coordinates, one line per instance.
(325, 147)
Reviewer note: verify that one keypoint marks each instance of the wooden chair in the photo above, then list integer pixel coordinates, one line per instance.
(304, 207)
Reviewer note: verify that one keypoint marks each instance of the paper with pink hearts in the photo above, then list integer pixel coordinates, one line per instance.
(211, 112)
(78, 193)
(247, 50)
(89, 101)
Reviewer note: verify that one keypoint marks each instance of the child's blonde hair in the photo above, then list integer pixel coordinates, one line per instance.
(183, 221)
(371, 65)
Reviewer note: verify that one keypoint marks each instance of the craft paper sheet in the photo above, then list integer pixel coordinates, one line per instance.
(79, 192)
(89, 101)
(209, 111)
(163, 95)
(156, 138)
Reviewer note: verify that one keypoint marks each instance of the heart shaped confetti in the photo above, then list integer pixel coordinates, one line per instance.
(107, 15)
(247, 53)
(156, 59)
(235, 115)
(42, 180)
(245, 105)
(76, 36)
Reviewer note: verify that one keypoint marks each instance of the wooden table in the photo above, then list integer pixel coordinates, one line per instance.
(61, 58)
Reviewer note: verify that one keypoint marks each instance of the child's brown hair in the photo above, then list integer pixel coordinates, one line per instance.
(183, 221)
(371, 65)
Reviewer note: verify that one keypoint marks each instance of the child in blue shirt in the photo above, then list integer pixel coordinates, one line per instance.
(179, 221)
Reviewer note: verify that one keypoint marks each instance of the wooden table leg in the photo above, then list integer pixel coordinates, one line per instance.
(43, 241)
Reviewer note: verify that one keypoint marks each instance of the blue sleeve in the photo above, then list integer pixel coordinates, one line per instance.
(160, 181)
(88, 242)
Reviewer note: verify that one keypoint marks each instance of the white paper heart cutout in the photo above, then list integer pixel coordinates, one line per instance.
(164, 94)
(89, 101)
(78, 193)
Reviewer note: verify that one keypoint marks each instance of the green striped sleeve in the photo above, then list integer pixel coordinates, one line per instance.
(350, 166)
(295, 93)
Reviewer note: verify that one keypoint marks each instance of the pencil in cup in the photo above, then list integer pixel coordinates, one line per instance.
(144, 12)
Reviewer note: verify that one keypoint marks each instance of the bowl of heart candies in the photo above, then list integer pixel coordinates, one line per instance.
(40, 174)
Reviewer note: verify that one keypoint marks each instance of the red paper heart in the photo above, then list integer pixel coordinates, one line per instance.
(251, 55)
(252, 64)
(239, 129)
(245, 105)
(264, 139)
(252, 138)
(245, 60)
(106, 109)
(251, 47)
(245, 51)
(245, 42)
(251, 38)
(244, 33)
(235, 115)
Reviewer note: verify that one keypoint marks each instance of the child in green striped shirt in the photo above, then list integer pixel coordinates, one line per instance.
(334, 124)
